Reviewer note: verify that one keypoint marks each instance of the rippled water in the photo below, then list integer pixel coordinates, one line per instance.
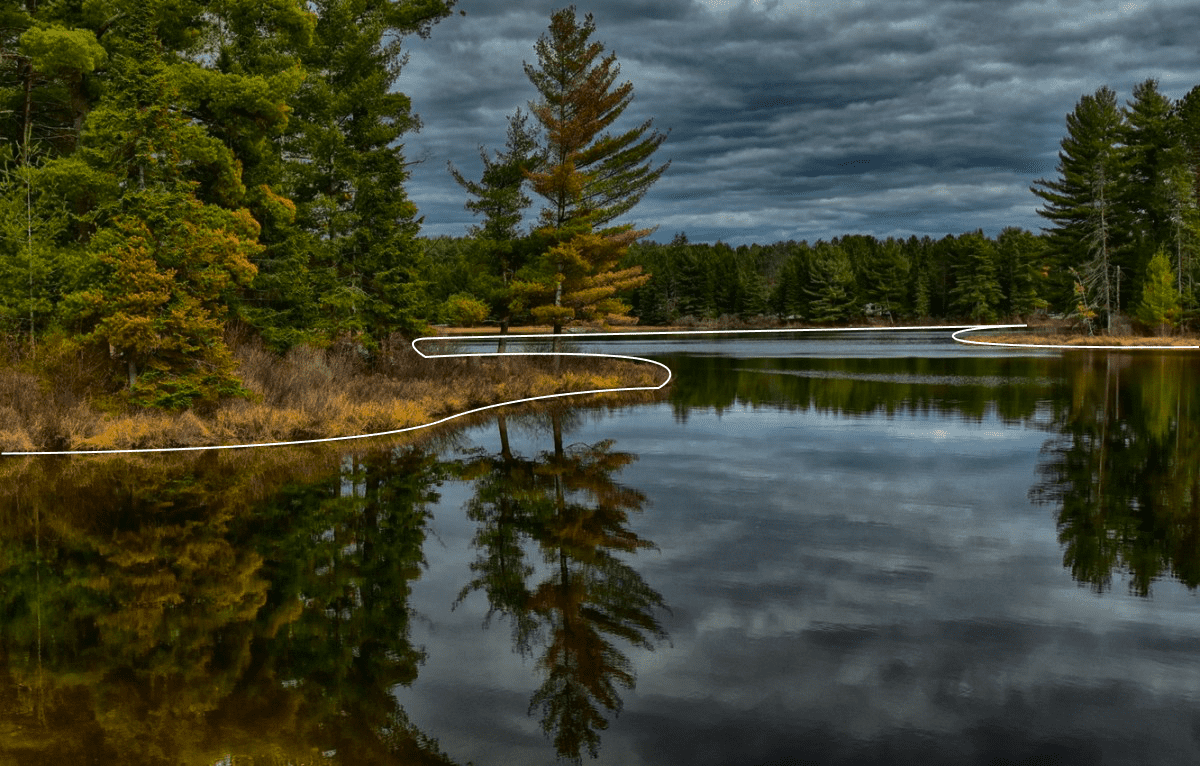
(842, 550)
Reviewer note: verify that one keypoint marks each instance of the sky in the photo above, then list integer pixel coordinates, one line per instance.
(808, 119)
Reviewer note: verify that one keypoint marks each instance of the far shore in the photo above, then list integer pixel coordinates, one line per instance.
(1040, 332)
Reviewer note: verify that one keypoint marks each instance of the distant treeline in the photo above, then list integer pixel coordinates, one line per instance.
(970, 276)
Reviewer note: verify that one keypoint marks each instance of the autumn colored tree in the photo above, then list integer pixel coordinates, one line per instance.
(575, 280)
(589, 176)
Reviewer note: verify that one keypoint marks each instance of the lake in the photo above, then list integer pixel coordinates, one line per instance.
(835, 549)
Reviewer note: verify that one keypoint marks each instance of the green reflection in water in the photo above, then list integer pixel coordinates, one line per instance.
(1123, 470)
(589, 603)
(160, 612)
(147, 616)
(968, 387)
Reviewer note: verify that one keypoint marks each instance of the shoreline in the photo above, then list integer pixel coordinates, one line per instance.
(319, 396)
(1037, 334)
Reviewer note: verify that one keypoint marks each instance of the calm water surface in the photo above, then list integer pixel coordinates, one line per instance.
(842, 550)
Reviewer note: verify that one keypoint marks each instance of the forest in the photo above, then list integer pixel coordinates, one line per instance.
(176, 174)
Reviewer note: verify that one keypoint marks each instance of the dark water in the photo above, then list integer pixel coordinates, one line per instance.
(864, 551)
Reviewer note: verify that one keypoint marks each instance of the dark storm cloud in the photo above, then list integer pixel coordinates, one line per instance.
(804, 119)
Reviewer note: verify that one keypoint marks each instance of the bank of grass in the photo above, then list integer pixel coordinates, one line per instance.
(61, 398)
(1082, 340)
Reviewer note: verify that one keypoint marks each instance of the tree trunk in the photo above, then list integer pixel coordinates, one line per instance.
(503, 331)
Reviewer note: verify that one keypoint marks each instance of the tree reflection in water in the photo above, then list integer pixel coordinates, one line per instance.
(1124, 470)
(149, 615)
(589, 603)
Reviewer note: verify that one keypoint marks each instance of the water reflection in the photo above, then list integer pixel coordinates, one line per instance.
(1123, 471)
(1012, 387)
(194, 612)
(147, 616)
(588, 603)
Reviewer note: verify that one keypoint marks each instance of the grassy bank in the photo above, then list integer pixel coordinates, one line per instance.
(56, 400)
(1082, 340)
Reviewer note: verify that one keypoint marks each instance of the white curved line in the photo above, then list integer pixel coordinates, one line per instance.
(1043, 345)
(529, 398)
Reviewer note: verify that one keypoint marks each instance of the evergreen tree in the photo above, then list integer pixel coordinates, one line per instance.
(1157, 194)
(589, 176)
(164, 267)
(830, 284)
(1022, 271)
(238, 82)
(789, 298)
(500, 197)
(346, 170)
(500, 193)
(976, 292)
(1160, 304)
(1082, 202)
(657, 301)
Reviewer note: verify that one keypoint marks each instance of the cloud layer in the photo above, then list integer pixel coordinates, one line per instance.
(807, 119)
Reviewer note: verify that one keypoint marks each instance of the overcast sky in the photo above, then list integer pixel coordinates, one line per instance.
(808, 119)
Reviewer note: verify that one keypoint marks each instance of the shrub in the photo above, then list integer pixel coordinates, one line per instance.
(465, 310)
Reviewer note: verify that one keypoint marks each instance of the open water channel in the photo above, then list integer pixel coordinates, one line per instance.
(835, 549)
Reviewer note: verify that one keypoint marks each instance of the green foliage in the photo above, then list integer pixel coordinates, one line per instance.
(830, 285)
(1160, 306)
(1089, 225)
(465, 310)
(499, 194)
(976, 293)
(1022, 271)
(346, 171)
(54, 49)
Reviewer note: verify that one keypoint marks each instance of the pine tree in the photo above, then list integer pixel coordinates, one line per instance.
(346, 170)
(1157, 193)
(830, 284)
(1082, 202)
(1022, 271)
(1160, 304)
(589, 176)
(500, 197)
(976, 293)
(165, 265)
(500, 193)
(575, 279)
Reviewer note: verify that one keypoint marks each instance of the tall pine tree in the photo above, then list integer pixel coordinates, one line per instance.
(590, 176)
(346, 169)
(1157, 194)
(1082, 203)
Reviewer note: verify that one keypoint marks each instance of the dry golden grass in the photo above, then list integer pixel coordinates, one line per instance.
(309, 393)
(1083, 340)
